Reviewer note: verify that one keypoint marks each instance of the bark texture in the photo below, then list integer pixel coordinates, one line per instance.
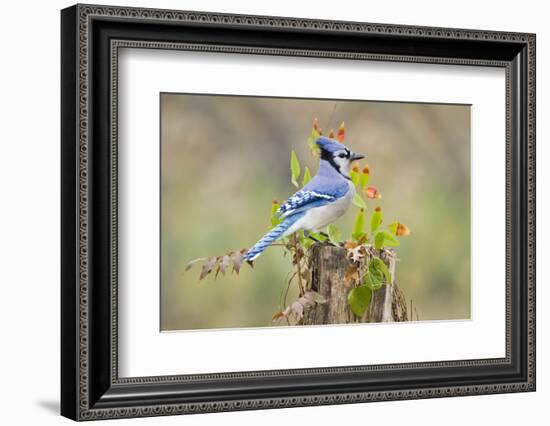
(328, 265)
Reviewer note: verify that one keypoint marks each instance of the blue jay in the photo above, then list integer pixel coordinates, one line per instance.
(324, 199)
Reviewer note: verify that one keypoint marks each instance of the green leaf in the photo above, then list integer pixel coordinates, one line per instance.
(363, 180)
(379, 265)
(358, 201)
(359, 226)
(307, 176)
(301, 237)
(376, 272)
(375, 220)
(308, 242)
(294, 168)
(373, 280)
(274, 219)
(359, 299)
(379, 240)
(360, 238)
(314, 148)
(354, 176)
(334, 234)
(389, 239)
(383, 238)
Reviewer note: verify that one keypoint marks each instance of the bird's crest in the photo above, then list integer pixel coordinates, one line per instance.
(329, 145)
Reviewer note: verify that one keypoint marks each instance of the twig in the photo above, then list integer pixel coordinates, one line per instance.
(298, 267)
(287, 289)
(283, 287)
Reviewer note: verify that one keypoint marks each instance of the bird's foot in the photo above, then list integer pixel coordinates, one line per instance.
(325, 239)
(311, 237)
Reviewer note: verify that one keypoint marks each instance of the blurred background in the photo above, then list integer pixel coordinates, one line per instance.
(225, 158)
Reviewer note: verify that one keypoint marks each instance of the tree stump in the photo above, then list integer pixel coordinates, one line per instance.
(328, 265)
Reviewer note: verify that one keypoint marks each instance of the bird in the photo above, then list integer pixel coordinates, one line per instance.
(325, 198)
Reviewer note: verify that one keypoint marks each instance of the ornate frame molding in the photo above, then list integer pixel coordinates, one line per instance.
(88, 402)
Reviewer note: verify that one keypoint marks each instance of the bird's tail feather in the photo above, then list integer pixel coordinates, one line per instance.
(271, 237)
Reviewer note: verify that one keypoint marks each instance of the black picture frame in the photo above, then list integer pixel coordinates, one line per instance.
(90, 38)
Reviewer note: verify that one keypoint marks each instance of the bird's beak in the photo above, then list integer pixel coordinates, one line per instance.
(355, 156)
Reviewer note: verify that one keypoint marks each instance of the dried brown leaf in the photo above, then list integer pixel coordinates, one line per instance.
(224, 264)
(316, 297)
(349, 245)
(208, 266)
(306, 302)
(357, 253)
(237, 259)
(363, 239)
(218, 258)
(191, 263)
(298, 309)
(351, 276)
(402, 230)
(277, 315)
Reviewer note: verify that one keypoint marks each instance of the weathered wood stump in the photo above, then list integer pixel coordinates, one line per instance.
(328, 265)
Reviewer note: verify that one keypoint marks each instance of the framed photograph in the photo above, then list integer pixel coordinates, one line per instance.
(263, 212)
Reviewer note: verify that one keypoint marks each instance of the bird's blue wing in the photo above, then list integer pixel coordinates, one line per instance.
(315, 194)
(304, 200)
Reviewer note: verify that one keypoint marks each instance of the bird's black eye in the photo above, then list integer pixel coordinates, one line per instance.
(342, 155)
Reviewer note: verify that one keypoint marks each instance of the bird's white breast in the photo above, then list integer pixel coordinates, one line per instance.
(317, 218)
